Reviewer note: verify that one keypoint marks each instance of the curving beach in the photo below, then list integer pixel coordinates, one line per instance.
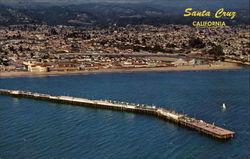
(223, 66)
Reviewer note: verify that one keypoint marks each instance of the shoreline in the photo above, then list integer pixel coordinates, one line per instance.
(227, 66)
(126, 54)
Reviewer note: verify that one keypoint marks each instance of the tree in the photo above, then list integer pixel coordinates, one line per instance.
(216, 50)
(196, 43)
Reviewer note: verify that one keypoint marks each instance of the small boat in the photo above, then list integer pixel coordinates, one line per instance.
(224, 106)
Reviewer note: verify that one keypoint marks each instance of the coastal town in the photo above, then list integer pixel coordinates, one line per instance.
(43, 48)
(124, 79)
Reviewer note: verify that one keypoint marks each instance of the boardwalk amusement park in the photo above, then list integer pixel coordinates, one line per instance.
(181, 119)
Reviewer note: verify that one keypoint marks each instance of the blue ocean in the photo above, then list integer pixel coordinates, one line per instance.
(33, 129)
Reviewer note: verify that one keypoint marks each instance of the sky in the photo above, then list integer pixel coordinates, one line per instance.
(75, 0)
(110, 0)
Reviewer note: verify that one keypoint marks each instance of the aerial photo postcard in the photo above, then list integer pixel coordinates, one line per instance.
(124, 79)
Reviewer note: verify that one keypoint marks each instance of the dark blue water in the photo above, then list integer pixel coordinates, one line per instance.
(41, 130)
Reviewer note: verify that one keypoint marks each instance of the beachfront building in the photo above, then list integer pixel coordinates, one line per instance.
(192, 62)
(184, 62)
(180, 62)
(2, 68)
(37, 68)
(8, 68)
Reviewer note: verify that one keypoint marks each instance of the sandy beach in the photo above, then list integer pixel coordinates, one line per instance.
(224, 66)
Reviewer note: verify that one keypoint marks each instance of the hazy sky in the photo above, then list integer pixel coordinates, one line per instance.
(75, 0)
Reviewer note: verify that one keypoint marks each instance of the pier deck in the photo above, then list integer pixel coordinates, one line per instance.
(173, 116)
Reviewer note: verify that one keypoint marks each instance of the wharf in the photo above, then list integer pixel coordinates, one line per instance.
(184, 120)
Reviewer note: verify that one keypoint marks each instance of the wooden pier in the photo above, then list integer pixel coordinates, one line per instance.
(173, 116)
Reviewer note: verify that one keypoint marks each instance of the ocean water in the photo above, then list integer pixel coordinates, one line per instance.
(33, 129)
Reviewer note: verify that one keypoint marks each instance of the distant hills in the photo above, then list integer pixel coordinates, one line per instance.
(102, 14)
